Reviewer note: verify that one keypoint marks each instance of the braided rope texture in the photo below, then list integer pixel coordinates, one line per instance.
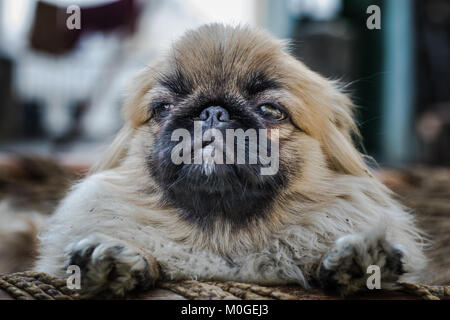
(40, 286)
(35, 286)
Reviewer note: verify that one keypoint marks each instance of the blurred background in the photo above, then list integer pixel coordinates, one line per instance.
(61, 91)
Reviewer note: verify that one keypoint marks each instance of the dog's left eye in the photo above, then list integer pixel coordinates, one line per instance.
(161, 110)
(271, 113)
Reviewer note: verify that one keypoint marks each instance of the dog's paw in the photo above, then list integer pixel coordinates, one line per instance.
(111, 268)
(345, 266)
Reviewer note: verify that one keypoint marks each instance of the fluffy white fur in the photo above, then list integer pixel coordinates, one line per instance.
(99, 207)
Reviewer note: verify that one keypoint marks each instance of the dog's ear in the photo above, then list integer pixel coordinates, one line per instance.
(115, 152)
(327, 115)
(340, 136)
(135, 112)
(136, 109)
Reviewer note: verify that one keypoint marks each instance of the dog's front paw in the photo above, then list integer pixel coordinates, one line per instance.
(111, 268)
(345, 267)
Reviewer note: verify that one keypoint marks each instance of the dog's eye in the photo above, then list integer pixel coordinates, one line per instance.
(161, 110)
(272, 113)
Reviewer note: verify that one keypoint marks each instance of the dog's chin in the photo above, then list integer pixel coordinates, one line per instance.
(211, 177)
(209, 192)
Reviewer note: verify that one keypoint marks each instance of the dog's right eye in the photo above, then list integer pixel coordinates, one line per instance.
(272, 113)
(161, 110)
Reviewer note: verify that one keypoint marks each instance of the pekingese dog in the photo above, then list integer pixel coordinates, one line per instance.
(318, 217)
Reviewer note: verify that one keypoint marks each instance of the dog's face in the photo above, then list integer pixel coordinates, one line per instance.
(236, 78)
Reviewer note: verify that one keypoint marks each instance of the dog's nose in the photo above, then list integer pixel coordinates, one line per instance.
(214, 115)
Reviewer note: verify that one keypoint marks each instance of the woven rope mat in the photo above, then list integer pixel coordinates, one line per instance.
(41, 286)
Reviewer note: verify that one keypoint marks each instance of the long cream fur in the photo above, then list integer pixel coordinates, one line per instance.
(333, 196)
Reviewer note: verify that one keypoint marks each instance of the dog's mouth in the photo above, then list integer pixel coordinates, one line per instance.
(208, 190)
